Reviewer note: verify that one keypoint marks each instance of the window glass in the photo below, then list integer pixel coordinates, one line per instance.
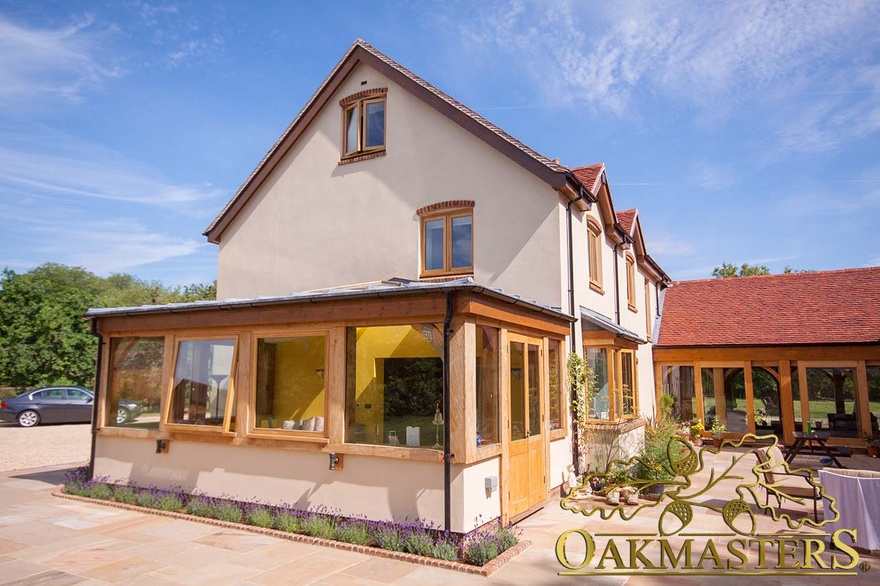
(202, 382)
(765, 388)
(517, 391)
(630, 282)
(434, 245)
(77, 395)
(874, 397)
(535, 425)
(628, 384)
(351, 129)
(135, 386)
(556, 392)
(595, 254)
(51, 395)
(600, 405)
(375, 122)
(462, 235)
(394, 385)
(290, 383)
(487, 385)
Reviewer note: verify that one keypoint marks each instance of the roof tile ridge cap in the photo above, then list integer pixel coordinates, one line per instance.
(465, 110)
(358, 43)
(591, 166)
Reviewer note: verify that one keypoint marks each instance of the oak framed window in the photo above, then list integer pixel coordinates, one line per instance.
(615, 395)
(649, 328)
(203, 393)
(290, 396)
(631, 283)
(363, 123)
(594, 250)
(134, 390)
(558, 407)
(448, 243)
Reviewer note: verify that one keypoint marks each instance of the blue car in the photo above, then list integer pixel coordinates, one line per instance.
(59, 405)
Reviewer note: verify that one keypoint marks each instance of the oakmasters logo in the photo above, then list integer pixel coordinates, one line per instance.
(699, 533)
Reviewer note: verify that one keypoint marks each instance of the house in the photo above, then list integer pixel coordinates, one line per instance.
(400, 282)
(773, 353)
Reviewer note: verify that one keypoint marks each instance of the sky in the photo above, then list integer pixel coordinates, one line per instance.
(745, 131)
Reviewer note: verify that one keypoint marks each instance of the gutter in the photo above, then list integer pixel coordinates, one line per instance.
(447, 456)
(94, 331)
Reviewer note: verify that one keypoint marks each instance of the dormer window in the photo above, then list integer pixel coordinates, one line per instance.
(363, 123)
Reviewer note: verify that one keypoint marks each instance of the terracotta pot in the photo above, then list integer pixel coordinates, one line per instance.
(874, 451)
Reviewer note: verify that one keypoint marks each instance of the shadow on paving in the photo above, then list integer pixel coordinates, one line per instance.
(51, 477)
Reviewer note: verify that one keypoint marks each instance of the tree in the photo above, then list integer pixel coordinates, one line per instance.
(746, 270)
(44, 338)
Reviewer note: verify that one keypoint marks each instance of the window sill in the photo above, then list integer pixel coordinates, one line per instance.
(632, 308)
(361, 157)
(444, 277)
(133, 433)
(397, 453)
(597, 288)
(621, 426)
(556, 434)
(314, 437)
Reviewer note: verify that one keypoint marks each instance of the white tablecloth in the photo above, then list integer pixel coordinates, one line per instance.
(857, 495)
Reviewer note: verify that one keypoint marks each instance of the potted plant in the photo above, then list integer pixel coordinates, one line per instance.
(696, 431)
(718, 428)
(873, 444)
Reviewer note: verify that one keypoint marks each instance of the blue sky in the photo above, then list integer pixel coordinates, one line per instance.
(744, 131)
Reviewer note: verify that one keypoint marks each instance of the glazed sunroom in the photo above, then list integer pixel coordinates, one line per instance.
(352, 399)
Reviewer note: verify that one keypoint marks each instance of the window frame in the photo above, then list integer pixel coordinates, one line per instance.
(447, 216)
(358, 104)
(562, 364)
(231, 394)
(614, 361)
(631, 282)
(106, 395)
(649, 327)
(594, 255)
(288, 435)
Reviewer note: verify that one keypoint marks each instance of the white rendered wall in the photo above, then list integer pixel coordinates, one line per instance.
(316, 224)
(378, 488)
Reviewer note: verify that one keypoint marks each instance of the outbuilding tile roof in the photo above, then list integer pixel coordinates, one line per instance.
(823, 307)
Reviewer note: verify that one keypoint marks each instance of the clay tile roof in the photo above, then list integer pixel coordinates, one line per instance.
(626, 218)
(826, 307)
(589, 175)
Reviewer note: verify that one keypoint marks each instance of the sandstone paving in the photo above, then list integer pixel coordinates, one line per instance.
(47, 540)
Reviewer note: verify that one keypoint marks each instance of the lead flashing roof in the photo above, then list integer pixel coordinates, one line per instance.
(390, 288)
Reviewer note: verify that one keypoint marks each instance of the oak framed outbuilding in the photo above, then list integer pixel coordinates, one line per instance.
(396, 400)
(767, 354)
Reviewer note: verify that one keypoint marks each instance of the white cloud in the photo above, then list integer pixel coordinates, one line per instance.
(714, 57)
(101, 246)
(667, 245)
(60, 62)
(77, 170)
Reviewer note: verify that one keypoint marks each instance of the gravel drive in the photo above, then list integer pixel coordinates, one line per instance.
(43, 445)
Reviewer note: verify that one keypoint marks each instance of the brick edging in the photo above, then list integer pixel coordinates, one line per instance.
(487, 570)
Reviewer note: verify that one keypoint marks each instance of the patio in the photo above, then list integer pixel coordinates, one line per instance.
(48, 540)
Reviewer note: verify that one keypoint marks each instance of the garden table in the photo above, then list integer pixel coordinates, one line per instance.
(802, 439)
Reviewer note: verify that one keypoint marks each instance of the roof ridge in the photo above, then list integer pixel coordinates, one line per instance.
(803, 273)
(555, 166)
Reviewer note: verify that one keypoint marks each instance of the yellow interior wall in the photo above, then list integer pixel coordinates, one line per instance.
(299, 389)
(384, 342)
